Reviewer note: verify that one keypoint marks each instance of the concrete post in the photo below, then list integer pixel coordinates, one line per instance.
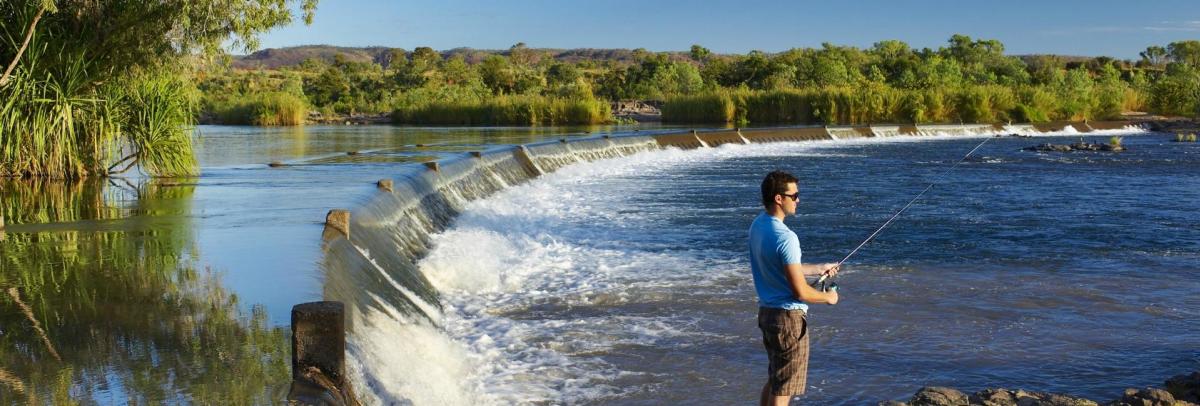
(319, 354)
(338, 221)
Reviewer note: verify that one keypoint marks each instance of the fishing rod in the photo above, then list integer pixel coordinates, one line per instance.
(823, 281)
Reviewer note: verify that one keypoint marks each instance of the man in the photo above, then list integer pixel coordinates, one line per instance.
(783, 292)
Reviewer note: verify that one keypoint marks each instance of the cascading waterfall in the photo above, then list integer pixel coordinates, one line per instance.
(398, 349)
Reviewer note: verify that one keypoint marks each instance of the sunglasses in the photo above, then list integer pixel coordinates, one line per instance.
(794, 196)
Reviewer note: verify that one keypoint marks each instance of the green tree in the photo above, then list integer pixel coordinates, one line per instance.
(699, 53)
(329, 87)
(1185, 52)
(1177, 92)
(497, 74)
(1154, 56)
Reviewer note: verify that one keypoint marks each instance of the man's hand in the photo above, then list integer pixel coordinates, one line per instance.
(831, 297)
(831, 269)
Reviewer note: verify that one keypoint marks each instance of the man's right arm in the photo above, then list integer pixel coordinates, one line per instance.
(806, 294)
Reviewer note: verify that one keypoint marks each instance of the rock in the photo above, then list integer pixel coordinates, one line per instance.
(276, 164)
(993, 397)
(891, 403)
(1185, 387)
(1145, 397)
(938, 396)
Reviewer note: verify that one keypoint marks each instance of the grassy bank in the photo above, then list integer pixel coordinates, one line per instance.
(878, 103)
(507, 110)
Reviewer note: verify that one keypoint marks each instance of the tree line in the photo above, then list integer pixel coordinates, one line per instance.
(966, 80)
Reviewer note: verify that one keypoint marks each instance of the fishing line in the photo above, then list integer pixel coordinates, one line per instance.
(833, 286)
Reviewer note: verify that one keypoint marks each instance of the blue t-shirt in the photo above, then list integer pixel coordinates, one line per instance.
(772, 247)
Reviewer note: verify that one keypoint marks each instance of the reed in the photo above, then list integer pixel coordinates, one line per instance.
(263, 109)
(54, 126)
(711, 107)
(507, 110)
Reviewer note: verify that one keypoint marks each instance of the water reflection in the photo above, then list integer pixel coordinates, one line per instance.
(102, 301)
(223, 146)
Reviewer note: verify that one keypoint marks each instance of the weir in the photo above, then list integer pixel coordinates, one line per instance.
(372, 266)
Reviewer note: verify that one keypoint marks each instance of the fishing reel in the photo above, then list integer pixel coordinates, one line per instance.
(825, 284)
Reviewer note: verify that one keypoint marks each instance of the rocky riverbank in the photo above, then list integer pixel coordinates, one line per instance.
(1180, 390)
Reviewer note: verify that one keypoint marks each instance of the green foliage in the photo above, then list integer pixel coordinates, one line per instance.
(506, 110)
(1177, 92)
(95, 88)
(1185, 52)
(877, 103)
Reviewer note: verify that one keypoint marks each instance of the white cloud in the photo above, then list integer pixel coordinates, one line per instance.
(1175, 26)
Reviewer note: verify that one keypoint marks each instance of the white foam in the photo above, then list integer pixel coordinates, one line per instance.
(392, 362)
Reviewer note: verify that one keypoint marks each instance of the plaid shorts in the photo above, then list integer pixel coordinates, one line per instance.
(785, 334)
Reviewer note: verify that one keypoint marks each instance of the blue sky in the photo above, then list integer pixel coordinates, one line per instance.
(1090, 28)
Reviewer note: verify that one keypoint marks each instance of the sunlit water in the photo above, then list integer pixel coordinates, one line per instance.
(626, 280)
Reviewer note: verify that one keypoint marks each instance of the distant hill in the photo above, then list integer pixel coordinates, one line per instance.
(274, 58)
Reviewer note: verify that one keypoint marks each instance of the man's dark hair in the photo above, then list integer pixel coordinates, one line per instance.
(776, 184)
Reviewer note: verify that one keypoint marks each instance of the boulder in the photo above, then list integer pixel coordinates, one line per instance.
(1146, 397)
(1185, 387)
(993, 397)
(938, 396)
(1005, 397)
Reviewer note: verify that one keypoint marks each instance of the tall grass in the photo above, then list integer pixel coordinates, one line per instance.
(711, 107)
(507, 110)
(53, 125)
(867, 104)
(264, 109)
